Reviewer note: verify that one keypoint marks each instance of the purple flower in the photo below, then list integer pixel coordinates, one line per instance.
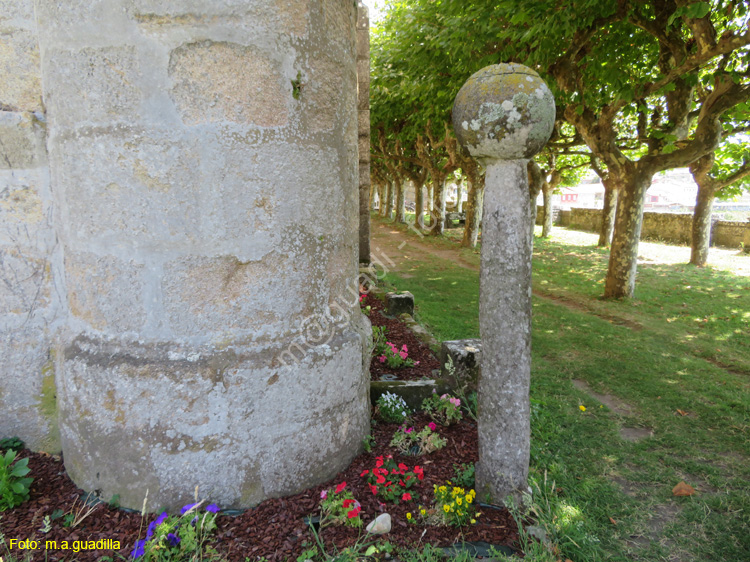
(213, 508)
(187, 508)
(138, 549)
(150, 530)
(173, 539)
(154, 524)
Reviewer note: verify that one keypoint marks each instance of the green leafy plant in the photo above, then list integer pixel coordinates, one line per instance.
(338, 507)
(179, 538)
(455, 504)
(393, 481)
(379, 339)
(368, 443)
(392, 408)
(464, 474)
(444, 409)
(395, 357)
(411, 442)
(14, 485)
(12, 444)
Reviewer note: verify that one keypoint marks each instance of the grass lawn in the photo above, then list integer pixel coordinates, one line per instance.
(671, 366)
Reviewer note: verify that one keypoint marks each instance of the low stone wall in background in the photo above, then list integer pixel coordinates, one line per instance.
(674, 228)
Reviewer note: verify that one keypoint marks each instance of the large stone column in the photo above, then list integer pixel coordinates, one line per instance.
(204, 167)
(503, 115)
(30, 300)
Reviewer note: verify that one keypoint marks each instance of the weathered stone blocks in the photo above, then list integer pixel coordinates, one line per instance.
(204, 165)
(466, 357)
(399, 303)
(215, 81)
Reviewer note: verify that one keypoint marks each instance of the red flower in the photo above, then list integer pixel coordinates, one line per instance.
(401, 483)
(354, 512)
(388, 483)
(347, 503)
(406, 496)
(408, 477)
(373, 489)
(419, 472)
(381, 479)
(364, 472)
(403, 468)
(394, 471)
(378, 461)
(340, 487)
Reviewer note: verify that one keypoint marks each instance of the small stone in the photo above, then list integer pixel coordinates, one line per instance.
(381, 525)
(537, 533)
(466, 356)
(399, 303)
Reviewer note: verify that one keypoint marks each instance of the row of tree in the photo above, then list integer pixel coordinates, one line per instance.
(640, 87)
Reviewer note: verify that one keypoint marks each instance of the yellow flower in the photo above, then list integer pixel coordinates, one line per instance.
(582, 408)
(458, 501)
(446, 507)
(422, 511)
(443, 489)
(408, 516)
(469, 498)
(473, 521)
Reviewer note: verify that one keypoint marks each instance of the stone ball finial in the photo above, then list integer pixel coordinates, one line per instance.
(504, 112)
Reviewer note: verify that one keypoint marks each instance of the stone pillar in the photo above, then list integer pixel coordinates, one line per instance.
(363, 107)
(503, 115)
(30, 259)
(204, 168)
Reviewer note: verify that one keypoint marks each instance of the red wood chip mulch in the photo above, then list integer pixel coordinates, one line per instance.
(275, 528)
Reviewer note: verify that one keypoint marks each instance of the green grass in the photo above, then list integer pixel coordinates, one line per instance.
(681, 347)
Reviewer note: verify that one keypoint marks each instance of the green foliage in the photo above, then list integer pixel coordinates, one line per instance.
(392, 408)
(338, 507)
(444, 409)
(368, 442)
(409, 441)
(184, 538)
(12, 444)
(379, 338)
(455, 504)
(14, 485)
(464, 475)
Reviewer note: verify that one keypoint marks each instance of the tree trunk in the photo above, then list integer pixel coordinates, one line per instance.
(400, 201)
(382, 198)
(430, 204)
(474, 204)
(608, 214)
(390, 203)
(623, 257)
(547, 219)
(459, 194)
(701, 232)
(373, 193)
(419, 205)
(438, 213)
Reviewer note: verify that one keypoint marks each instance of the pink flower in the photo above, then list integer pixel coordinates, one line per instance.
(404, 355)
(404, 348)
(417, 363)
(323, 494)
(382, 358)
(410, 430)
(456, 402)
(432, 426)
